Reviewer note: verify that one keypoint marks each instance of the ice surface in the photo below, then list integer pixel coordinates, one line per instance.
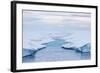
(78, 40)
(33, 45)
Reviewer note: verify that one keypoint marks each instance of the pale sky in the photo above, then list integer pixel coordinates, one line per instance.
(55, 21)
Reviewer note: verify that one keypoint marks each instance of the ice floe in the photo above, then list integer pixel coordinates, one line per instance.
(33, 45)
(78, 41)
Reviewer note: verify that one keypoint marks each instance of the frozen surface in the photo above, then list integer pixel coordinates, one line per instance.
(79, 38)
(33, 46)
(78, 41)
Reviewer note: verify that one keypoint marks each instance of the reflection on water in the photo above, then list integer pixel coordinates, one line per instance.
(54, 52)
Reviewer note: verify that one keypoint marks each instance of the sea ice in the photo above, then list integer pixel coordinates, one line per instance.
(79, 41)
(33, 45)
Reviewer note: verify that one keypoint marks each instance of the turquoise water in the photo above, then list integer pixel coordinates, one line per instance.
(54, 52)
